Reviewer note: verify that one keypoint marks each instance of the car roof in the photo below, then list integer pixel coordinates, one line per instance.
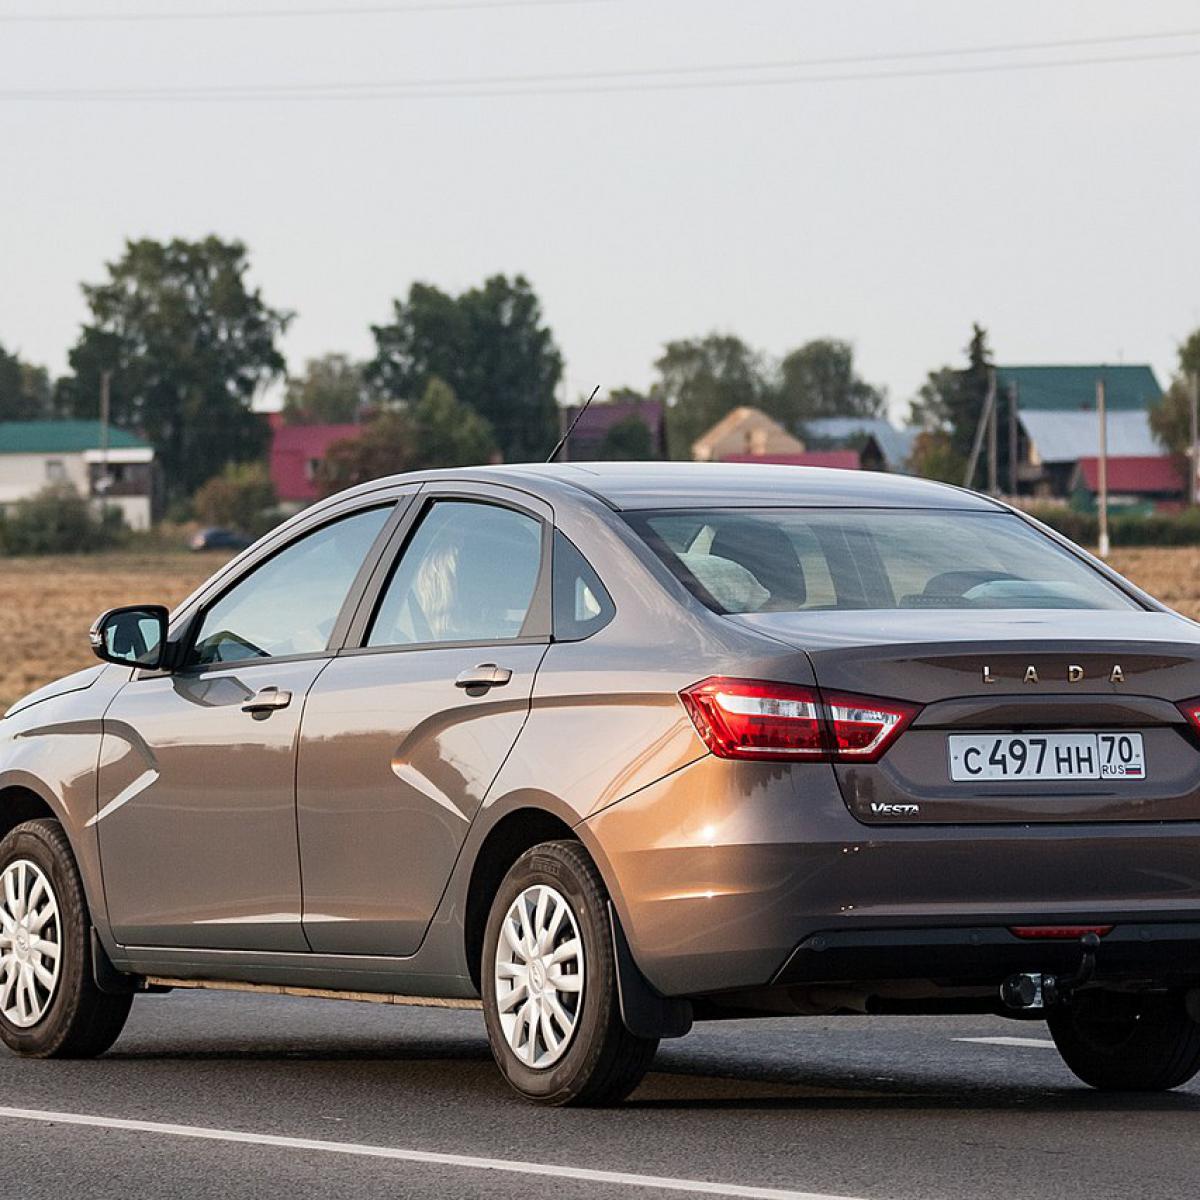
(641, 485)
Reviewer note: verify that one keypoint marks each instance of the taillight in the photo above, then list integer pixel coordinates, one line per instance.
(755, 719)
(1191, 710)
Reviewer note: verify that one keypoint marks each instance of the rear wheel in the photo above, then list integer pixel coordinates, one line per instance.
(1128, 1043)
(550, 987)
(50, 1006)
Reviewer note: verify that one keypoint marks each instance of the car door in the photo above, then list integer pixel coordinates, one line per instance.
(405, 731)
(196, 808)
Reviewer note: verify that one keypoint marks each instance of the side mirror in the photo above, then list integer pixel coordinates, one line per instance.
(134, 636)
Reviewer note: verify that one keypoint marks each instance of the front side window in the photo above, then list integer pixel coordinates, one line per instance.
(808, 560)
(290, 603)
(468, 574)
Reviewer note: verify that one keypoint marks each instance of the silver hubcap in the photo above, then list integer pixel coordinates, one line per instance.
(30, 943)
(539, 976)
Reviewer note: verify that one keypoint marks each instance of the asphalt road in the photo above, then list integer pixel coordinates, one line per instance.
(870, 1108)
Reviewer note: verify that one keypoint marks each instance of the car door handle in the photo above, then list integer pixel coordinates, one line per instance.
(486, 675)
(267, 700)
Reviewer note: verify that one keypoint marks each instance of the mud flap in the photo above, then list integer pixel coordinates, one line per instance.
(644, 1012)
(107, 978)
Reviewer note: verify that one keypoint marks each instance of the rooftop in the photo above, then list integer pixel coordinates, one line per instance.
(1074, 387)
(842, 460)
(1146, 475)
(702, 484)
(1067, 436)
(63, 437)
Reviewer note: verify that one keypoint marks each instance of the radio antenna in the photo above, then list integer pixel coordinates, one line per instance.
(562, 441)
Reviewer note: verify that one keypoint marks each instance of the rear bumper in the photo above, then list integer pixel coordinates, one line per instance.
(1166, 952)
(731, 875)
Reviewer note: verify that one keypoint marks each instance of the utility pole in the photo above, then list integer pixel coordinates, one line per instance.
(102, 484)
(985, 423)
(1194, 455)
(1103, 480)
(993, 483)
(1013, 440)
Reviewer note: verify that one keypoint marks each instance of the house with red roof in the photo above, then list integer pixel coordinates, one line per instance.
(1156, 479)
(842, 460)
(297, 452)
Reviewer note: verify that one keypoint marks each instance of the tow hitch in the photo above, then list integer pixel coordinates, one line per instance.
(1034, 991)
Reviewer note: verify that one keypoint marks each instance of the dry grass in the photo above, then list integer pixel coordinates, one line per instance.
(1172, 573)
(47, 604)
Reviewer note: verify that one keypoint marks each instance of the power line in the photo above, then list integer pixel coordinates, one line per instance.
(267, 14)
(499, 86)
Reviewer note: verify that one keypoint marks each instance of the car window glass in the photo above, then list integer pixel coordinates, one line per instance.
(290, 603)
(581, 603)
(795, 560)
(468, 574)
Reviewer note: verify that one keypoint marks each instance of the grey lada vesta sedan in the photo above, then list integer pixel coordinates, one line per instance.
(614, 748)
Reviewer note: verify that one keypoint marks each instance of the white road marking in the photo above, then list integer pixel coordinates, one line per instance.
(466, 1161)
(1008, 1041)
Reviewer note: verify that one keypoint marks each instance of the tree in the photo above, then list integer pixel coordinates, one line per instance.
(446, 433)
(951, 401)
(629, 440)
(241, 498)
(332, 391)
(189, 345)
(1170, 418)
(386, 446)
(490, 345)
(438, 431)
(819, 380)
(25, 392)
(933, 457)
(700, 380)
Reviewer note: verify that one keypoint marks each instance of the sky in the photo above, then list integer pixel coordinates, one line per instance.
(1059, 206)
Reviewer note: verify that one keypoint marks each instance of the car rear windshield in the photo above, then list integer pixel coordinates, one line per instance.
(807, 560)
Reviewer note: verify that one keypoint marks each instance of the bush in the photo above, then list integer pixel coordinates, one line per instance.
(58, 520)
(1152, 529)
(241, 498)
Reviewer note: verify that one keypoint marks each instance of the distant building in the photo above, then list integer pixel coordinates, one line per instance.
(885, 448)
(297, 452)
(747, 431)
(842, 460)
(1057, 424)
(588, 438)
(1134, 480)
(37, 454)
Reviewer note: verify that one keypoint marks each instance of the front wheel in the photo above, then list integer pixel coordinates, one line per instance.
(1121, 1042)
(50, 1006)
(550, 985)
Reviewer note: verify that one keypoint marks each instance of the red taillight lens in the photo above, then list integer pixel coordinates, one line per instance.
(862, 728)
(1191, 710)
(755, 719)
(742, 718)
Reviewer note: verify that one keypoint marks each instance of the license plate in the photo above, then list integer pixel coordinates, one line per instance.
(1046, 756)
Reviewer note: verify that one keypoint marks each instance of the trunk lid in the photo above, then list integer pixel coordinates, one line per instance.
(1010, 672)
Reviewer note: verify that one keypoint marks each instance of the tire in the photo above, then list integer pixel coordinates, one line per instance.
(68, 1017)
(1128, 1043)
(597, 1060)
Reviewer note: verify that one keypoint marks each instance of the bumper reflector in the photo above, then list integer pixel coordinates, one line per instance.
(1058, 932)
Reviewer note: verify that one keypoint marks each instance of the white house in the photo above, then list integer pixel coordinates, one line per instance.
(38, 454)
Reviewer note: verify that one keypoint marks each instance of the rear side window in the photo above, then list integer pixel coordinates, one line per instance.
(807, 560)
(582, 606)
(468, 574)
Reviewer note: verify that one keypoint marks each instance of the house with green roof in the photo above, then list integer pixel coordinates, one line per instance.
(1058, 426)
(116, 469)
